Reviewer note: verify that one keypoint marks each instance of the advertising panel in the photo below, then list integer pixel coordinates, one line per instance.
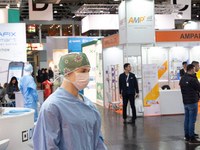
(140, 21)
(40, 11)
(74, 44)
(151, 94)
(12, 46)
(164, 21)
(3, 15)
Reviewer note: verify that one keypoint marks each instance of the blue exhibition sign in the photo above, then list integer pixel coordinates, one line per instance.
(74, 44)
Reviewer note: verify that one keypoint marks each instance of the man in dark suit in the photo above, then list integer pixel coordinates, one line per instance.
(183, 71)
(128, 87)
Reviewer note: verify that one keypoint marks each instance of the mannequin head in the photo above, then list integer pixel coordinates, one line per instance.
(28, 69)
(75, 68)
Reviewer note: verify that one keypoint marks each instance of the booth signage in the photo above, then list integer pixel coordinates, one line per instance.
(111, 41)
(177, 36)
(74, 44)
(40, 11)
(136, 22)
(12, 46)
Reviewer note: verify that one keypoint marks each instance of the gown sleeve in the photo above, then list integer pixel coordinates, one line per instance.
(47, 131)
(100, 145)
(33, 91)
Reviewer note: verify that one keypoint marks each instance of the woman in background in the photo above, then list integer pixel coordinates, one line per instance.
(12, 87)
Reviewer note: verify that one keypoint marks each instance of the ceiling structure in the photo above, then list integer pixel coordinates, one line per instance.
(77, 9)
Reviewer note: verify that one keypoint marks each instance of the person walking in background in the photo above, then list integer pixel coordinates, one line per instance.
(128, 86)
(196, 65)
(12, 87)
(184, 70)
(38, 74)
(50, 73)
(46, 75)
(189, 89)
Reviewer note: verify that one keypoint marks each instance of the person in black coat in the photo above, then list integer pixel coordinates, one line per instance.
(38, 74)
(190, 87)
(128, 87)
(46, 75)
(183, 71)
(50, 73)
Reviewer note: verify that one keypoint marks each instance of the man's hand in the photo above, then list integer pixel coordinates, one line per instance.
(120, 96)
(14, 92)
(137, 95)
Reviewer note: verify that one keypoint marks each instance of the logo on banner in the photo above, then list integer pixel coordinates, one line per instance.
(140, 19)
(38, 11)
(27, 134)
(7, 33)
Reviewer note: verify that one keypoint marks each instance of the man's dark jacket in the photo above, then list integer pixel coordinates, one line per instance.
(189, 88)
(133, 84)
(182, 72)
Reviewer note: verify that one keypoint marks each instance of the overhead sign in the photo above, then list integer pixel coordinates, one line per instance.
(140, 21)
(100, 22)
(111, 41)
(177, 36)
(12, 46)
(3, 15)
(136, 22)
(9, 15)
(40, 11)
(74, 44)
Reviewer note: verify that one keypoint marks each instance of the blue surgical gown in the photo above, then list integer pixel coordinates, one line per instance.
(67, 123)
(30, 95)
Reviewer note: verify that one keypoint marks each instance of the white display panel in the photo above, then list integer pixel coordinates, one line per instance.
(3, 15)
(90, 90)
(12, 46)
(117, 64)
(94, 22)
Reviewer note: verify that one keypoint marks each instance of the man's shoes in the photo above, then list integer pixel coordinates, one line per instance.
(187, 137)
(193, 140)
(196, 135)
(132, 121)
(124, 121)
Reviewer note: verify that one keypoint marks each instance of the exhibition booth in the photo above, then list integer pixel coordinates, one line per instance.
(170, 50)
(94, 90)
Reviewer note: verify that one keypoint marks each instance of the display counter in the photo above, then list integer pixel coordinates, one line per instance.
(171, 102)
(19, 98)
(17, 128)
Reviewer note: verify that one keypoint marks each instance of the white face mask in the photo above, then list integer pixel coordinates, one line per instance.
(82, 80)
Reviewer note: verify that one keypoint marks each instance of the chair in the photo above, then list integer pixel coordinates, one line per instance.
(4, 144)
(165, 87)
(114, 104)
(12, 102)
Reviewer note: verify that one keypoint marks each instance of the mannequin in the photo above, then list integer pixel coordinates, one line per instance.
(28, 88)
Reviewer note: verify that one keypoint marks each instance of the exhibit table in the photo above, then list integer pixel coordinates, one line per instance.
(18, 128)
(171, 102)
(19, 98)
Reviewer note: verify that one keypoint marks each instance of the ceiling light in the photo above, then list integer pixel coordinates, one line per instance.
(194, 4)
(61, 5)
(8, 6)
(73, 16)
(55, 12)
(180, 15)
(197, 15)
(101, 11)
(18, 4)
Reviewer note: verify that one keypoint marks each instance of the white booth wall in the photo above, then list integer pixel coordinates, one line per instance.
(112, 56)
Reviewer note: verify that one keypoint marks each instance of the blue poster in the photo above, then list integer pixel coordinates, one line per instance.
(74, 44)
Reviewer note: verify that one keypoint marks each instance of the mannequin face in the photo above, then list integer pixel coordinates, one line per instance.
(72, 76)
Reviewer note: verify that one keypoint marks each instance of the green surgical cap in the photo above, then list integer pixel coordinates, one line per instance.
(72, 61)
